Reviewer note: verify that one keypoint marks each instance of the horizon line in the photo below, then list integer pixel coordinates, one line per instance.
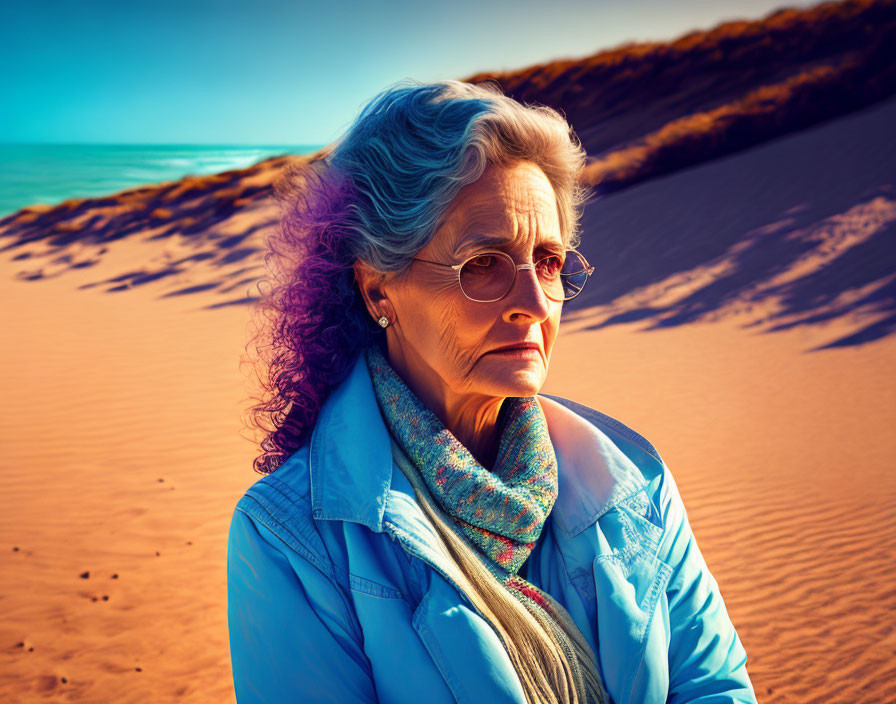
(160, 144)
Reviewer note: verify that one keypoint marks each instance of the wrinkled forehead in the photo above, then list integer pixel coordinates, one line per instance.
(516, 210)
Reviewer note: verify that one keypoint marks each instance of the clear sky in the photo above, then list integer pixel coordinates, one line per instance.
(284, 72)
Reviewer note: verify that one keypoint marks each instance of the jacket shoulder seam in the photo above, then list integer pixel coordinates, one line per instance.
(257, 510)
(285, 506)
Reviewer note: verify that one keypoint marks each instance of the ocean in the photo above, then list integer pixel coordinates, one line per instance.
(51, 173)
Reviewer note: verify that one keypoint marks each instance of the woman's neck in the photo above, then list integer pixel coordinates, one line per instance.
(474, 420)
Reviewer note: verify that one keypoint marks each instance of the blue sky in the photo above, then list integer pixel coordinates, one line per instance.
(272, 72)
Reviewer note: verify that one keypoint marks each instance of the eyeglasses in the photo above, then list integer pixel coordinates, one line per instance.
(489, 276)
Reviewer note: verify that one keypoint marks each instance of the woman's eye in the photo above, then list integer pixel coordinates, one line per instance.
(483, 261)
(551, 266)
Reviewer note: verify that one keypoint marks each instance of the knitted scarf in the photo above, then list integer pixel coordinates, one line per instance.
(500, 512)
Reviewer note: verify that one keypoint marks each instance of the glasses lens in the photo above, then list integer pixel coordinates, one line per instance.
(574, 274)
(549, 271)
(487, 277)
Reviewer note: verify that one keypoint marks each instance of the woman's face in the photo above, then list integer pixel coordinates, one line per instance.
(444, 341)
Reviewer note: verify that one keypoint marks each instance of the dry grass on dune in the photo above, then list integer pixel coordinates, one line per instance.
(201, 233)
(643, 110)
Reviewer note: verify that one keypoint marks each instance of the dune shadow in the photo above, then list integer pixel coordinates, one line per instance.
(197, 210)
(808, 221)
(245, 300)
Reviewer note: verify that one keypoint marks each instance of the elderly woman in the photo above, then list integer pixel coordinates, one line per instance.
(430, 528)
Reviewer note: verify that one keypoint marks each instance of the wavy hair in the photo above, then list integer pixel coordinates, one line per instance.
(378, 196)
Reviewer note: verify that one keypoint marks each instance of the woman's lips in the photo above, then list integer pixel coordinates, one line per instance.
(518, 352)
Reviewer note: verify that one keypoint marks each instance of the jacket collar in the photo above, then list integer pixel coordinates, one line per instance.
(350, 434)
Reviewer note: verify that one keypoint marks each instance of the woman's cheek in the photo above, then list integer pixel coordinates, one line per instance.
(447, 311)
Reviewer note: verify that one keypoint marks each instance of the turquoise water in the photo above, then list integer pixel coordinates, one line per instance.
(50, 173)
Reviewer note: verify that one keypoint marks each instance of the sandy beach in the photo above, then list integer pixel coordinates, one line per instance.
(124, 454)
(783, 459)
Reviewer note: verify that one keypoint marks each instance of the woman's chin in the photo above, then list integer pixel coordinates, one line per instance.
(514, 378)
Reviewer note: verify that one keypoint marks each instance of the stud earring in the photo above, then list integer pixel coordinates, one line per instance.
(383, 321)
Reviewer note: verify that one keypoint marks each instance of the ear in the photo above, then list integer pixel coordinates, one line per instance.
(371, 283)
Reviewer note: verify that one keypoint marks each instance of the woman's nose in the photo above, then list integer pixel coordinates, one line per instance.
(527, 296)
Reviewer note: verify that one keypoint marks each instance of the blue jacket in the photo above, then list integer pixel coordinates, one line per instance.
(336, 592)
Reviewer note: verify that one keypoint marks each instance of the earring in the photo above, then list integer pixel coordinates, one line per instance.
(383, 321)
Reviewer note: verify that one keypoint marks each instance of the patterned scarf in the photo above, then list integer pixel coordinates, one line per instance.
(501, 512)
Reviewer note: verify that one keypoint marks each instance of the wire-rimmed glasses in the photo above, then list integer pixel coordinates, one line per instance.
(488, 276)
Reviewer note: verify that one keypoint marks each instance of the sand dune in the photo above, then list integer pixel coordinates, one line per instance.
(197, 234)
(652, 108)
(122, 455)
(797, 232)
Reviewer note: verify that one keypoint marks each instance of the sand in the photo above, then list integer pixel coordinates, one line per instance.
(123, 456)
